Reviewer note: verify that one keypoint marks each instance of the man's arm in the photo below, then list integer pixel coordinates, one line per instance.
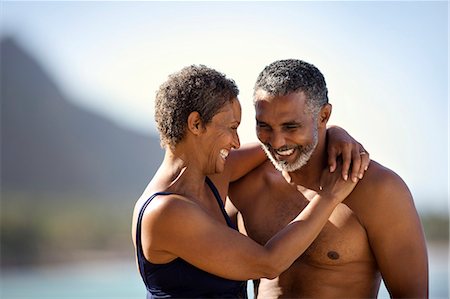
(395, 234)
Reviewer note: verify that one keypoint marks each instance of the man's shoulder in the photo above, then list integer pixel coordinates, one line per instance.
(260, 179)
(380, 190)
(379, 178)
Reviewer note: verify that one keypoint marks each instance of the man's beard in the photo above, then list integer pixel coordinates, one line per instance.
(305, 153)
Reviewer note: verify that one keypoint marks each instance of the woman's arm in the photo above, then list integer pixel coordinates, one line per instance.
(243, 160)
(177, 227)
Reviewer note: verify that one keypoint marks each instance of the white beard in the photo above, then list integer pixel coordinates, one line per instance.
(305, 154)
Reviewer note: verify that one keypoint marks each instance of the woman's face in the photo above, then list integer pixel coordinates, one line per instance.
(221, 136)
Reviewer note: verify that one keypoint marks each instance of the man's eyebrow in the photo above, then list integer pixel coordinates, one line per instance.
(287, 123)
(290, 123)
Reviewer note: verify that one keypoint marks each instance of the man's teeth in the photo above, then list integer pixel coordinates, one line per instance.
(224, 153)
(285, 152)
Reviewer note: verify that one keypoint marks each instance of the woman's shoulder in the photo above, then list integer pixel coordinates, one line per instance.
(162, 205)
(165, 208)
(159, 202)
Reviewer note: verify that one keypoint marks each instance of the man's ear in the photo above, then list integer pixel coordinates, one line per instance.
(194, 123)
(324, 115)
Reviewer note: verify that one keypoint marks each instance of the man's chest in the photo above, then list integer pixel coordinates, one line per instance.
(342, 240)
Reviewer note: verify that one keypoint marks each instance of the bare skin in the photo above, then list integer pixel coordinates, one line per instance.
(189, 224)
(375, 232)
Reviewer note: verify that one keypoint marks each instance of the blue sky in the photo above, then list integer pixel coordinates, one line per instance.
(385, 63)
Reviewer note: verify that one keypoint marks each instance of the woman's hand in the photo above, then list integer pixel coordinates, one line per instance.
(332, 187)
(353, 154)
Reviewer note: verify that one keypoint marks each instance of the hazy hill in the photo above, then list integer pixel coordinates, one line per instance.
(49, 145)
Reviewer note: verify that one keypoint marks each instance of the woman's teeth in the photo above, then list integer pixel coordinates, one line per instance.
(224, 153)
(285, 152)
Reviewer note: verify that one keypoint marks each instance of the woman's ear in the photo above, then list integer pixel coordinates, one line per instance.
(194, 123)
(324, 115)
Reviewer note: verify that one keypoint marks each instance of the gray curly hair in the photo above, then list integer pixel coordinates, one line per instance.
(193, 88)
(292, 75)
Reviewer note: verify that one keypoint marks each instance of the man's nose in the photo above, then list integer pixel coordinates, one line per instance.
(277, 140)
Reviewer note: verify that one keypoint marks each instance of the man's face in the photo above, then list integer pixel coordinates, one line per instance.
(287, 131)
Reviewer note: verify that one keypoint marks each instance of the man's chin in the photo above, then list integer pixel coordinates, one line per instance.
(280, 165)
(285, 163)
(289, 167)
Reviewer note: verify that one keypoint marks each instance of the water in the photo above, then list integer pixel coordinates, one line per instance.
(120, 279)
(112, 279)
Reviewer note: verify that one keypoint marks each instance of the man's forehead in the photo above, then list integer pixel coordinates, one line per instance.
(263, 95)
(281, 109)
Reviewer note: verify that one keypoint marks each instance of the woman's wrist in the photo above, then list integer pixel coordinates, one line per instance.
(328, 198)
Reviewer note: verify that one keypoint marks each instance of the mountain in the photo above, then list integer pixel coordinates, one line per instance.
(49, 145)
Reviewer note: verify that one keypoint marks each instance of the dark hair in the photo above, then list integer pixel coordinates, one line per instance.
(194, 88)
(291, 75)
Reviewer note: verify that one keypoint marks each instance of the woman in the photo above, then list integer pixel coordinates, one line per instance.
(186, 244)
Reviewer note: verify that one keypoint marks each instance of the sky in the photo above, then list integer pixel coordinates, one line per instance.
(385, 63)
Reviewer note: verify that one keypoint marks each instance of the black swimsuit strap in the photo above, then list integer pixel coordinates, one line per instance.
(139, 250)
(219, 201)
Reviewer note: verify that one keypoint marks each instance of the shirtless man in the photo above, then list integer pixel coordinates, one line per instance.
(375, 233)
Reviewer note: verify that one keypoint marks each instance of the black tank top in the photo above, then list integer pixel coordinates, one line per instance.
(178, 278)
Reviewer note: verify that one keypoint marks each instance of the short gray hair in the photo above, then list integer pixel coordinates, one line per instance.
(194, 88)
(292, 75)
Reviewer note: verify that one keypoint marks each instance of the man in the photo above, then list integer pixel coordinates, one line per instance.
(375, 233)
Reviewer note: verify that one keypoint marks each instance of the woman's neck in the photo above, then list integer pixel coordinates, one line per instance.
(179, 175)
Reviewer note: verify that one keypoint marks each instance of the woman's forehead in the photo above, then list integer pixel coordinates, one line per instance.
(230, 112)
